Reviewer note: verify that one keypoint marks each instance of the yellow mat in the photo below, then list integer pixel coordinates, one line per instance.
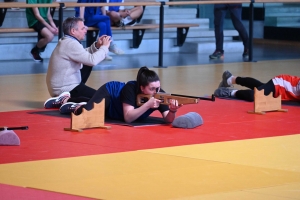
(267, 168)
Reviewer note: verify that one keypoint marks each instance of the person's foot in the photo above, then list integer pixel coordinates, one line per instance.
(120, 23)
(57, 102)
(70, 107)
(114, 49)
(108, 58)
(217, 55)
(128, 21)
(223, 92)
(226, 75)
(36, 56)
(246, 53)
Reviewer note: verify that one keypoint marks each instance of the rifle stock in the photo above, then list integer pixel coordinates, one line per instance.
(165, 99)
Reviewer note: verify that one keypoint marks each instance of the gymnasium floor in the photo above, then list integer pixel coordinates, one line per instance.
(233, 155)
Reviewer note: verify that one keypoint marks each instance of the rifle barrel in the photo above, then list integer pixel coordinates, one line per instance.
(14, 128)
(212, 98)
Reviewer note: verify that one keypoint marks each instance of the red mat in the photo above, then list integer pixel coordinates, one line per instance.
(15, 193)
(224, 120)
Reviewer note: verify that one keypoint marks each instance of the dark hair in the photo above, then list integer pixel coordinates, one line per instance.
(145, 76)
(69, 23)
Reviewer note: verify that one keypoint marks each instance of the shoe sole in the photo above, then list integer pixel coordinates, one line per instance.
(221, 57)
(35, 59)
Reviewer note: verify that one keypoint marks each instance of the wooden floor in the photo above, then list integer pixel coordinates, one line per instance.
(27, 91)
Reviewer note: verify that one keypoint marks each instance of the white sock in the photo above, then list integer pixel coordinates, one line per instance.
(229, 80)
(233, 93)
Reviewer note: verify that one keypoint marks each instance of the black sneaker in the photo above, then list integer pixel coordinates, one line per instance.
(36, 56)
(246, 53)
(216, 55)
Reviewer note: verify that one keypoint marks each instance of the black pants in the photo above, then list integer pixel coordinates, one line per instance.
(251, 83)
(220, 11)
(98, 96)
(81, 93)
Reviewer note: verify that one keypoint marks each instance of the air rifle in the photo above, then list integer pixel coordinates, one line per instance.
(165, 98)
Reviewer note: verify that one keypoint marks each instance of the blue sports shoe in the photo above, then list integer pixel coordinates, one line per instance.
(70, 107)
(57, 102)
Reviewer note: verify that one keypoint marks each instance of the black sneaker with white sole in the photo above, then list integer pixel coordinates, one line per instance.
(36, 56)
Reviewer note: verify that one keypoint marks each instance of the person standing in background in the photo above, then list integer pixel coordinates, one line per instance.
(220, 11)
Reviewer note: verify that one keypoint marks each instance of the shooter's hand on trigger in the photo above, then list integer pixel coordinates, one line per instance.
(153, 103)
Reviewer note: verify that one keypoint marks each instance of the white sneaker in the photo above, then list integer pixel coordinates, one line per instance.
(128, 21)
(114, 49)
(108, 58)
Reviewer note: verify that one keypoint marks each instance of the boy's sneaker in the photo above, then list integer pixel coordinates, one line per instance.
(223, 92)
(216, 55)
(36, 56)
(57, 102)
(108, 58)
(114, 49)
(128, 21)
(226, 75)
(246, 53)
(70, 107)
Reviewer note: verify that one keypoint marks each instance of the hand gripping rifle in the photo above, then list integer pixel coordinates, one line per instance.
(165, 98)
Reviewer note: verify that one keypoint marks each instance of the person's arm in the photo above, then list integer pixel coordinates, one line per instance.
(103, 10)
(37, 15)
(131, 113)
(81, 12)
(51, 22)
(170, 114)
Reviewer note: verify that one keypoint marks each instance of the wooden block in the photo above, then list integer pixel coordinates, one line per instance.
(89, 119)
(267, 103)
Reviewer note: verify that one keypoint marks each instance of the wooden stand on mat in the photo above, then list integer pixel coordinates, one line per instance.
(263, 104)
(89, 119)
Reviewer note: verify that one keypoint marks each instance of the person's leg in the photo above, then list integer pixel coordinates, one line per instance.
(136, 12)
(248, 95)
(85, 72)
(102, 22)
(236, 14)
(44, 37)
(268, 88)
(140, 17)
(248, 82)
(81, 90)
(115, 18)
(219, 15)
(47, 37)
(100, 94)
